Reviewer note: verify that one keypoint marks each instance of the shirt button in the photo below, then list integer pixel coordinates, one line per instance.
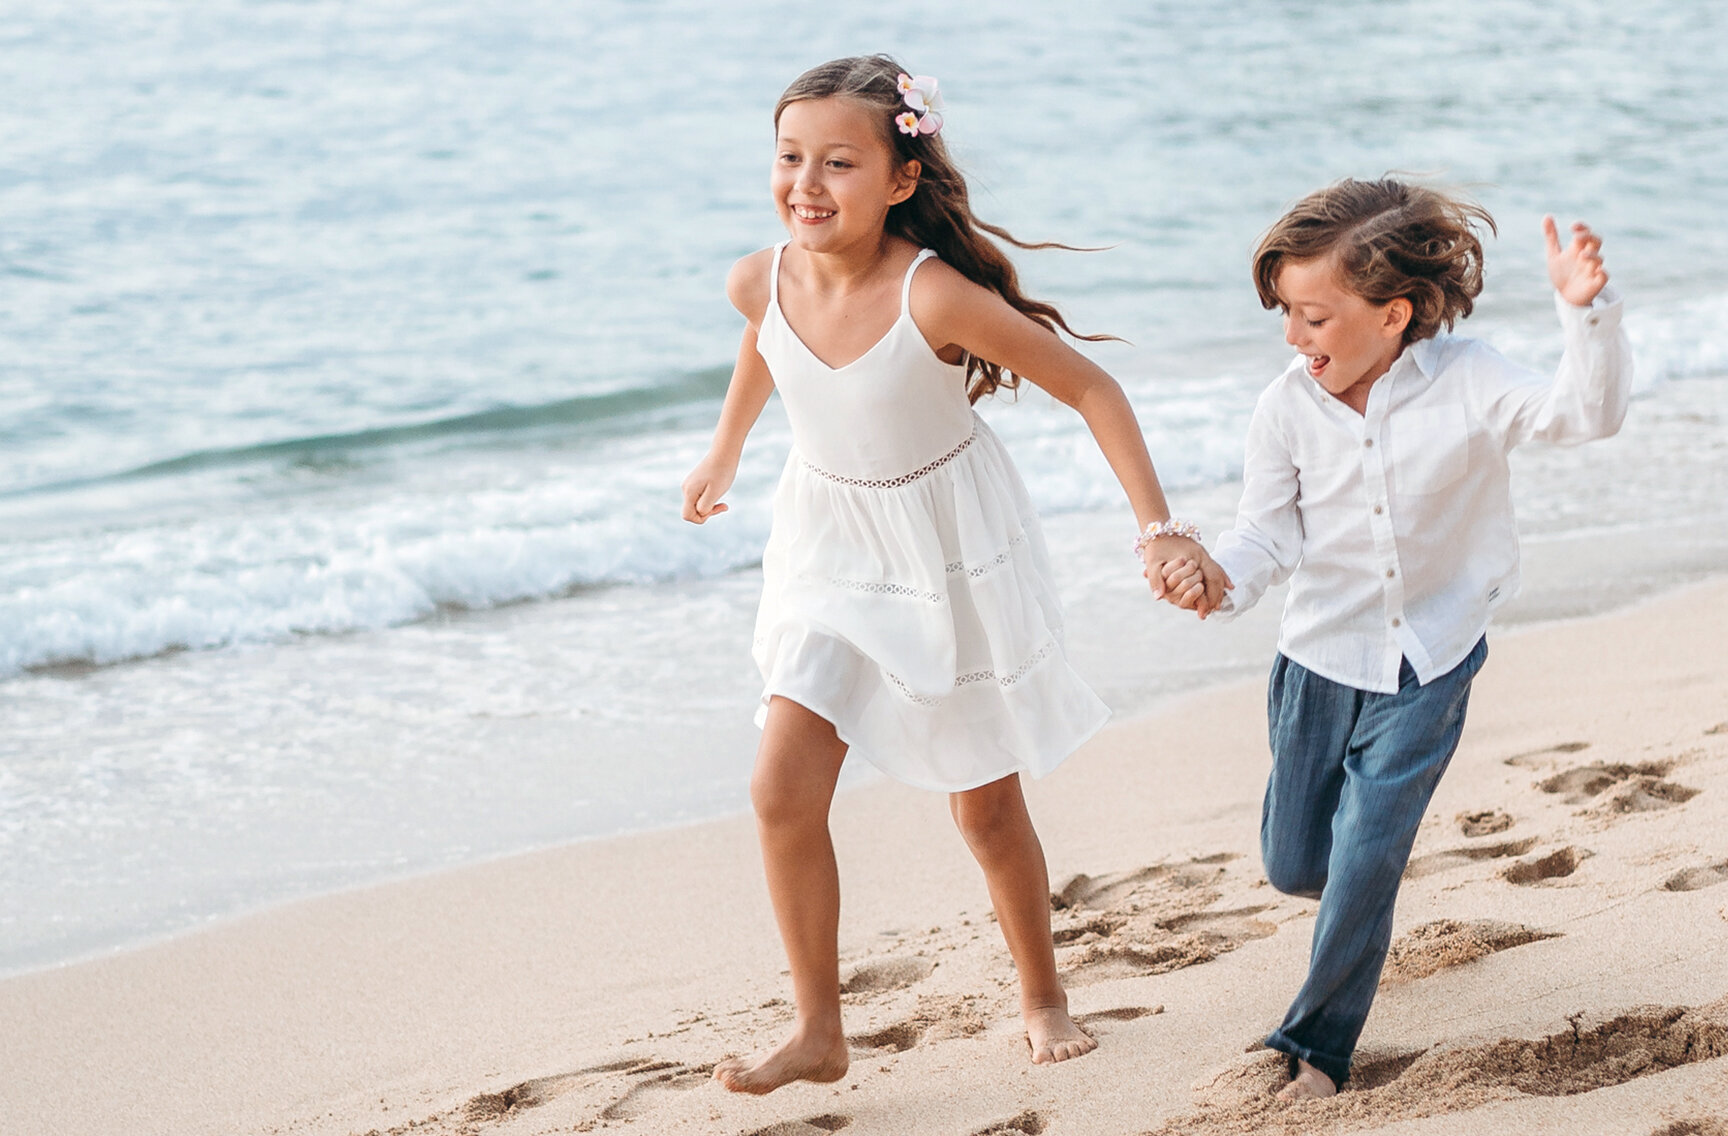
(1390, 573)
(1368, 443)
(1378, 510)
(1397, 622)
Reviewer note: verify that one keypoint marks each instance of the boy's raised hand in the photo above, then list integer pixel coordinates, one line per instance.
(1576, 269)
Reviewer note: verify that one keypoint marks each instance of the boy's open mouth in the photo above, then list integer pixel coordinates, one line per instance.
(1317, 363)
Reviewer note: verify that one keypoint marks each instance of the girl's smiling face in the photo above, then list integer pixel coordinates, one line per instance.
(1349, 342)
(834, 175)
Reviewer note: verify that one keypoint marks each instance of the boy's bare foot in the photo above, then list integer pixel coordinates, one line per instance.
(1055, 1036)
(805, 1056)
(1309, 1083)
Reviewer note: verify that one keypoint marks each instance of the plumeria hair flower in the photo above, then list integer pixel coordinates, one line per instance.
(921, 95)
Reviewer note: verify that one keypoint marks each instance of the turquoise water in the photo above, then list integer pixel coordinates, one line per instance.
(353, 358)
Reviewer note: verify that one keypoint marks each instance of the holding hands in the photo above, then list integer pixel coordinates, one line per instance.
(1186, 585)
(1576, 269)
(1183, 573)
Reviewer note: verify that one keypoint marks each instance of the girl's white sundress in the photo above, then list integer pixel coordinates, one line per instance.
(907, 594)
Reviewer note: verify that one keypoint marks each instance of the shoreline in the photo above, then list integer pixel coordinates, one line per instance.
(1558, 600)
(414, 999)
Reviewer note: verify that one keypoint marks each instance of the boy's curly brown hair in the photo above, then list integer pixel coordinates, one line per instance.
(1391, 240)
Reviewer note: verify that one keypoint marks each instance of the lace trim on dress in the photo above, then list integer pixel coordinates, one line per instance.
(893, 482)
(956, 566)
(884, 588)
(1003, 680)
(953, 568)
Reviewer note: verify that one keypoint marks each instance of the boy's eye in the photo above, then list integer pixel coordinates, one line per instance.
(1316, 323)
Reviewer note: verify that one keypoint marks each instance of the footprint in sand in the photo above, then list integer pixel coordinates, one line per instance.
(887, 974)
(1458, 857)
(1545, 755)
(1143, 947)
(809, 1126)
(1098, 893)
(1389, 1088)
(1148, 921)
(1028, 1123)
(639, 1097)
(1447, 943)
(1694, 1126)
(1695, 879)
(1486, 822)
(1554, 866)
(938, 1017)
(542, 1090)
(1631, 788)
(1120, 1014)
(644, 1077)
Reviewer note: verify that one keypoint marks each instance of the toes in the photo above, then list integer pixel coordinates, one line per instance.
(1062, 1049)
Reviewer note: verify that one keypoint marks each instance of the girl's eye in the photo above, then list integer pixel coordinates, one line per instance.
(788, 159)
(840, 165)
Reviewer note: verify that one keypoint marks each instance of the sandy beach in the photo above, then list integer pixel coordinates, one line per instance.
(1557, 965)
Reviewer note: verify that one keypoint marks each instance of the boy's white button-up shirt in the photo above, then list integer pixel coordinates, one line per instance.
(1395, 526)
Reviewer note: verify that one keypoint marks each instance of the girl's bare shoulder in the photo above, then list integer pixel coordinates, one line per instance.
(940, 291)
(748, 285)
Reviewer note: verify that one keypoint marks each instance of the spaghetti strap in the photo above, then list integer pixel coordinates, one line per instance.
(774, 276)
(906, 285)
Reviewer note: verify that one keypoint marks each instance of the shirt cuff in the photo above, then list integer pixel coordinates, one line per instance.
(1601, 315)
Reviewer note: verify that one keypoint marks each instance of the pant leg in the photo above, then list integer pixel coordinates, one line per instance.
(1400, 746)
(1309, 723)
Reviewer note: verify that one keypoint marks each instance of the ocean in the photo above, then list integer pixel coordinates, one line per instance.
(353, 355)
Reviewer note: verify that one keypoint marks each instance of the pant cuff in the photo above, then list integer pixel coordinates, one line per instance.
(1337, 1068)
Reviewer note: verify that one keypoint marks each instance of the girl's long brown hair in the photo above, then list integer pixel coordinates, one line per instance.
(938, 215)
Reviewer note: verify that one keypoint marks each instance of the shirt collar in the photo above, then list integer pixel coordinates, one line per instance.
(1425, 353)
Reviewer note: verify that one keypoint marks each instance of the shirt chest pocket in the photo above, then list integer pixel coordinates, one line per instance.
(1430, 449)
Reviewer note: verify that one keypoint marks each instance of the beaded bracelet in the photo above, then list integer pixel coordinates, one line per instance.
(1171, 527)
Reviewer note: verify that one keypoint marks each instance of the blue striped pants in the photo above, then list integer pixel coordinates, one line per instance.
(1352, 774)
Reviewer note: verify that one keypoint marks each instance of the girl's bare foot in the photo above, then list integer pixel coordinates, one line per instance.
(808, 1055)
(1309, 1083)
(1055, 1036)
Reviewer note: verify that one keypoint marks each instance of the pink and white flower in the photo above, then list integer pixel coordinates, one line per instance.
(921, 94)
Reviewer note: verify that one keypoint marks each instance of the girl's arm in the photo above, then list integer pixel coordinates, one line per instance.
(952, 311)
(746, 395)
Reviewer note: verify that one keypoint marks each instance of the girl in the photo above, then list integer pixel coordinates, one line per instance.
(1376, 480)
(907, 610)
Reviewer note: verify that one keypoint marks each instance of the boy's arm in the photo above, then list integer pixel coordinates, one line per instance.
(1588, 396)
(1266, 544)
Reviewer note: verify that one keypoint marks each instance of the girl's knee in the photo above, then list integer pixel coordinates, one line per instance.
(986, 820)
(780, 803)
